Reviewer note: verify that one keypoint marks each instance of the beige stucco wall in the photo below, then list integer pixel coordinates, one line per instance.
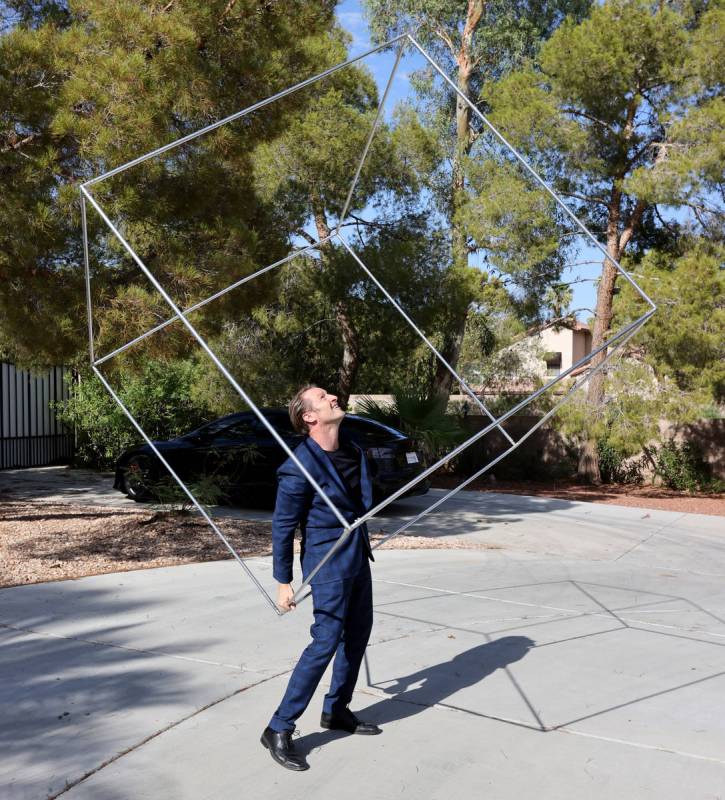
(561, 341)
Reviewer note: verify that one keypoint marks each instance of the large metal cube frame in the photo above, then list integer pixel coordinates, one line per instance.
(608, 349)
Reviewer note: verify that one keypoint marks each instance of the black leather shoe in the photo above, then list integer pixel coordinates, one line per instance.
(282, 750)
(346, 721)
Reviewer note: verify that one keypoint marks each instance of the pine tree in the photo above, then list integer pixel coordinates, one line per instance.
(84, 88)
(623, 113)
(476, 42)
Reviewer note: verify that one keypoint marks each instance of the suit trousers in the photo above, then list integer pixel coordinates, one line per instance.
(343, 612)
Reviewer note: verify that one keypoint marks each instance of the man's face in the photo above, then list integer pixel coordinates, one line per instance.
(322, 408)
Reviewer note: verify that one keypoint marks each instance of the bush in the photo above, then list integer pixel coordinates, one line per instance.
(616, 466)
(209, 490)
(680, 466)
(160, 396)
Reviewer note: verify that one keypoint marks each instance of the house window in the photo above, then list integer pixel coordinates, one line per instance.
(553, 364)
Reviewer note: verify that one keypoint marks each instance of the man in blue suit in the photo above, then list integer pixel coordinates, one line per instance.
(342, 589)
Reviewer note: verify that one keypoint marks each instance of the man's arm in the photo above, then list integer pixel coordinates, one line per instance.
(294, 495)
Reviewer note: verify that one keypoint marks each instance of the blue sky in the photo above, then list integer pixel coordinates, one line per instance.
(352, 18)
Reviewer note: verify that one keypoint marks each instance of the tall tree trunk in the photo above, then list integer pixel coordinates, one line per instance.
(350, 353)
(619, 234)
(588, 467)
(350, 364)
(456, 323)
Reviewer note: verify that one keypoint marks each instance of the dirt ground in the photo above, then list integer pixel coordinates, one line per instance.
(46, 541)
(60, 541)
(655, 497)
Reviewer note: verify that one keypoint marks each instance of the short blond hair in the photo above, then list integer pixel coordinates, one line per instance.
(297, 407)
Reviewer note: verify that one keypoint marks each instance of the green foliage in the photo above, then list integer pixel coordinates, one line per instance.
(679, 465)
(685, 340)
(209, 490)
(634, 403)
(513, 221)
(621, 112)
(591, 111)
(476, 43)
(423, 418)
(89, 85)
(160, 397)
(295, 339)
(616, 467)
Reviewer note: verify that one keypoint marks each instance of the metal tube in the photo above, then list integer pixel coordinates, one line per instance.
(191, 497)
(237, 115)
(374, 127)
(498, 458)
(87, 263)
(461, 447)
(202, 303)
(216, 361)
(530, 170)
(420, 333)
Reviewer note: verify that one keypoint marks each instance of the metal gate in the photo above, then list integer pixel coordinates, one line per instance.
(30, 433)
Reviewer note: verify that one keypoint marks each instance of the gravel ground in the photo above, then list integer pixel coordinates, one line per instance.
(60, 541)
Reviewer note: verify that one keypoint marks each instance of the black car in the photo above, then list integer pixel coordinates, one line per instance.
(240, 452)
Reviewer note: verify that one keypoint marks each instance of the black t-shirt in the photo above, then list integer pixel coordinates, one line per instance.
(347, 463)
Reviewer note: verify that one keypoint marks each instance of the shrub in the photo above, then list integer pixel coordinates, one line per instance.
(209, 490)
(616, 466)
(680, 466)
(159, 396)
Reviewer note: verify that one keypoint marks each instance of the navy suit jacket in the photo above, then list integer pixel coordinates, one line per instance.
(299, 504)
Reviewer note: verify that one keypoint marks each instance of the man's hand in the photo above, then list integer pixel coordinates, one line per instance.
(285, 593)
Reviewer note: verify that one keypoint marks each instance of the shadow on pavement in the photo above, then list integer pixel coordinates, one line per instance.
(438, 682)
(70, 702)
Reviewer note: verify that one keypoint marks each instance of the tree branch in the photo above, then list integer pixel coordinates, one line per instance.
(640, 207)
(473, 17)
(585, 198)
(577, 113)
(646, 146)
(633, 224)
(228, 8)
(361, 221)
(663, 222)
(307, 237)
(441, 34)
(567, 321)
(13, 143)
(577, 280)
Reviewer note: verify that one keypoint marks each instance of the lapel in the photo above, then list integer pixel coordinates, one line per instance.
(322, 460)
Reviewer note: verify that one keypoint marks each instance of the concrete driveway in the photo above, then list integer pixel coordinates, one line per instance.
(585, 657)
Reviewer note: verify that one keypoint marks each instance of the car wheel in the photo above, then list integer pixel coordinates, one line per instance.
(137, 475)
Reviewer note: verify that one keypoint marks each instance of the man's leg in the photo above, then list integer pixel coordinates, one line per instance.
(330, 602)
(358, 623)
